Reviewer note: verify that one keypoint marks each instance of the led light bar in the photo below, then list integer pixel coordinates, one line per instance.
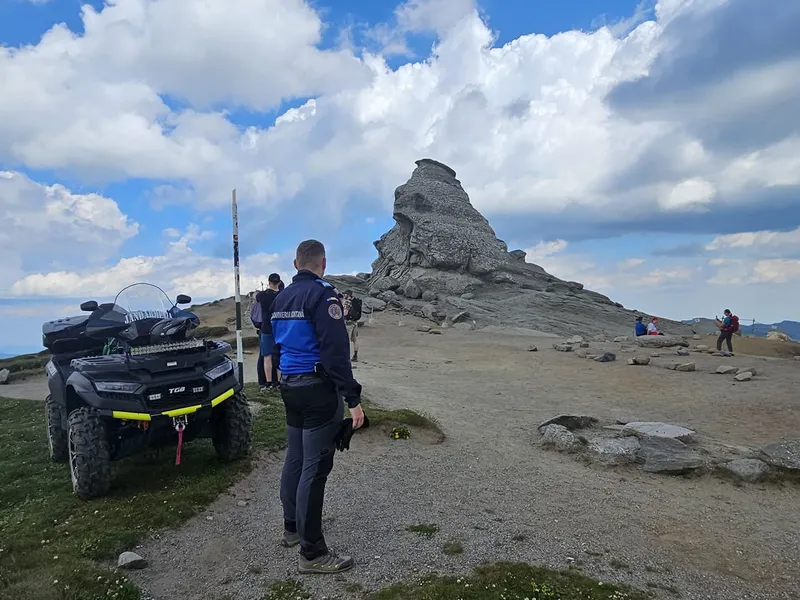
(220, 370)
(169, 347)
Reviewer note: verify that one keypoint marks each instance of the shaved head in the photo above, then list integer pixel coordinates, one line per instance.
(310, 256)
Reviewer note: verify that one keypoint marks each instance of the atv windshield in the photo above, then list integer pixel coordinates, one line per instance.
(133, 313)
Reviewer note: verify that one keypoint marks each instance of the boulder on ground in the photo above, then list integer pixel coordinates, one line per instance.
(657, 429)
(748, 469)
(532, 348)
(575, 339)
(747, 376)
(668, 455)
(561, 438)
(686, 367)
(785, 455)
(605, 357)
(621, 338)
(661, 341)
(428, 296)
(562, 347)
(655, 355)
(751, 370)
(375, 304)
(701, 347)
(468, 296)
(672, 366)
(614, 451)
(5, 376)
(570, 421)
(727, 370)
(131, 560)
(639, 360)
(682, 352)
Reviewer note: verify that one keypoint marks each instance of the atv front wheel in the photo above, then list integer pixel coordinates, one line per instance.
(89, 454)
(232, 425)
(56, 434)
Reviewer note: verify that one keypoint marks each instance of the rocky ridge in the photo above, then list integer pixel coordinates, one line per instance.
(443, 261)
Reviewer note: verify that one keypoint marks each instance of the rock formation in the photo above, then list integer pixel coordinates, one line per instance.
(442, 258)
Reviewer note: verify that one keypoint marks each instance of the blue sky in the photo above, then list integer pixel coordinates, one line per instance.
(648, 149)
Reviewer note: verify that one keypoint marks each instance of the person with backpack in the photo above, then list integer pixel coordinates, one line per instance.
(727, 327)
(265, 299)
(352, 313)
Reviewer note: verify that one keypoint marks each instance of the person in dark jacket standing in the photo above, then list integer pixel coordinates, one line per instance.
(266, 299)
(313, 351)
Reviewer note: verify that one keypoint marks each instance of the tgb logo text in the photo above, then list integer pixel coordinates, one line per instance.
(177, 390)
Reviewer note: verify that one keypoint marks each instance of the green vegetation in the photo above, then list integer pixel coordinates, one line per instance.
(510, 581)
(25, 362)
(453, 547)
(427, 530)
(51, 539)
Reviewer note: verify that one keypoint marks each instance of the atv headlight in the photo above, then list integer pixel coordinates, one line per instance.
(220, 370)
(118, 387)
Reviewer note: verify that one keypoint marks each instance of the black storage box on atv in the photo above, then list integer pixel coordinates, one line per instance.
(130, 377)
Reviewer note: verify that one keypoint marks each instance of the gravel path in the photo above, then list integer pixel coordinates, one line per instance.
(488, 482)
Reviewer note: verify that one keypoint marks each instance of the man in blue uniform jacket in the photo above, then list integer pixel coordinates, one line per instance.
(313, 350)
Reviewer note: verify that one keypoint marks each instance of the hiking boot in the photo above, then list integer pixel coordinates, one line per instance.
(355, 357)
(290, 539)
(263, 389)
(325, 564)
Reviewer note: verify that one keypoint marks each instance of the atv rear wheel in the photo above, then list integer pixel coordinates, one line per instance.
(232, 426)
(89, 454)
(56, 434)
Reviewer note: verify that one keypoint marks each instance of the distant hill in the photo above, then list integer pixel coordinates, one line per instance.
(703, 325)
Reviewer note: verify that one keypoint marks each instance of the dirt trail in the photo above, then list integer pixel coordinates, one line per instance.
(488, 482)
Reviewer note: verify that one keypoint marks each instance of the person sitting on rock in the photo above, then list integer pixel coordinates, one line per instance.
(640, 328)
(652, 327)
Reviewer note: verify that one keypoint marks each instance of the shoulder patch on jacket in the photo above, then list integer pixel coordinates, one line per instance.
(335, 311)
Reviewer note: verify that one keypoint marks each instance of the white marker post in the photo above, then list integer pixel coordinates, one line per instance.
(237, 294)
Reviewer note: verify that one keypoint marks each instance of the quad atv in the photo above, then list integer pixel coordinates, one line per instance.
(130, 377)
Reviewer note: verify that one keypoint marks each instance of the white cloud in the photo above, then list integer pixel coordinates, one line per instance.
(692, 194)
(755, 239)
(543, 249)
(179, 270)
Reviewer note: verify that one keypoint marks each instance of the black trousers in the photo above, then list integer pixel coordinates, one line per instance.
(314, 413)
(726, 336)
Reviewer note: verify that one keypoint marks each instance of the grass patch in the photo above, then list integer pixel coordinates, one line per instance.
(25, 362)
(51, 540)
(510, 581)
(453, 548)
(289, 589)
(427, 530)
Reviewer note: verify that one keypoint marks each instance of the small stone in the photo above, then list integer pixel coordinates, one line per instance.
(605, 357)
(751, 370)
(460, 316)
(701, 347)
(639, 360)
(725, 354)
(655, 355)
(5, 376)
(785, 455)
(561, 438)
(747, 376)
(131, 560)
(435, 332)
(532, 348)
(562, 347)
(656, 429)
(726, 370)
(621, 338)
(241, 503)
(468, 296)
(590, 356)
(575, 339)
(682, 352)
(570, 421)
(584, 344)
(627, 349)
(428, 296)
(686, 367)
(672, 366)
(668, 456)
(695, 337)
(748, 469)
(424, 328)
